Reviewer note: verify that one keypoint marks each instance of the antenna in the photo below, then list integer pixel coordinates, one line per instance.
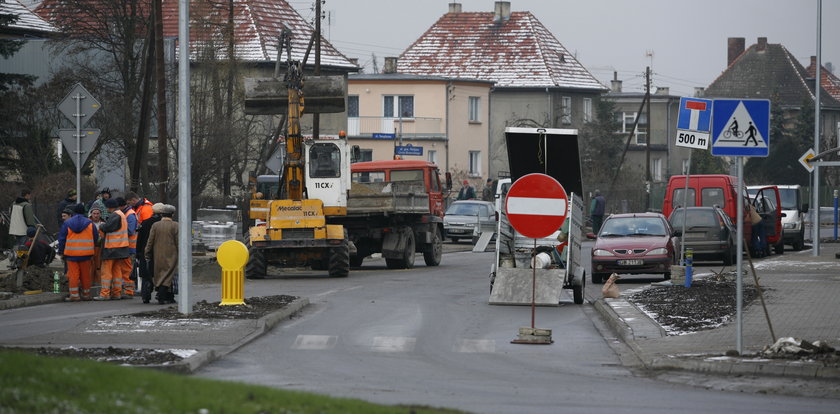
(373, 62)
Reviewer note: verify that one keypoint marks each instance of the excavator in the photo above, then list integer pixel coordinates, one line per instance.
(291, 224)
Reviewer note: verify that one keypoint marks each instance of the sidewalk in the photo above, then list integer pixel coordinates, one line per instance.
(802, 293)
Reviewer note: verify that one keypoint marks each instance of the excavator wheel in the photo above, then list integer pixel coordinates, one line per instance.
(340, 261)
(433, 252)
(257, 267)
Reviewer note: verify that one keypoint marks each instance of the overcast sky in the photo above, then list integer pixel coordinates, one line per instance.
(687, 38)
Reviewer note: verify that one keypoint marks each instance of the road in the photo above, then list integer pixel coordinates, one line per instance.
(427, 336)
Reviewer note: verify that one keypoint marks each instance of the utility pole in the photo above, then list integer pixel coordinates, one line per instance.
(316, 117)
(649, 136)
(160, 75)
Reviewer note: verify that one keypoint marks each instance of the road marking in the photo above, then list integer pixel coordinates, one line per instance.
(475, 346)
(393, 343)
(310, 342)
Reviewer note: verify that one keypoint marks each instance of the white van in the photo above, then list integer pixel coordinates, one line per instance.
(793, 213)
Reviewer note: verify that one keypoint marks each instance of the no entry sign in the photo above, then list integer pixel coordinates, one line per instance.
(536, 205)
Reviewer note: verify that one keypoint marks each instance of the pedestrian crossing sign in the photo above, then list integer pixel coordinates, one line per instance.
(741, 127)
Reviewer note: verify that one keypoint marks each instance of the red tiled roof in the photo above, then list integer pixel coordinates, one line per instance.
(829, 82)
(27, 20)
(257, 27)
(519, 52)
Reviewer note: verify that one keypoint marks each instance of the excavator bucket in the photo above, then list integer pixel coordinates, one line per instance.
(322, 94)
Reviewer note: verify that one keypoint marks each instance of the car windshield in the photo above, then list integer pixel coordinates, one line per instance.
(463, 209)
(632, 226)
(788, 196)
(696, 218)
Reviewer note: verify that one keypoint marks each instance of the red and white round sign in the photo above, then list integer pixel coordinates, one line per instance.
(536, 205)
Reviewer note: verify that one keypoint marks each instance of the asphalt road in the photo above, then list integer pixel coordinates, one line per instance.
(427, 336)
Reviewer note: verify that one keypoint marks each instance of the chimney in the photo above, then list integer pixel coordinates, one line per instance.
(615, 84)
(390, 65)
(734, 48)
(699, 91)
(663, 90)
(454, 7)
(761, 46)
(502, 12)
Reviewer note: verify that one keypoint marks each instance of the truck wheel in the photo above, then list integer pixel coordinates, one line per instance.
(407, 260)
(433, 252)
(780, 247)
(256, 267)
(798, 244)
(340, 261)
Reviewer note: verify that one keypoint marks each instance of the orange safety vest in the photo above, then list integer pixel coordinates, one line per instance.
(144, 210)
(79, 244)
(132, 238)
(118, 238)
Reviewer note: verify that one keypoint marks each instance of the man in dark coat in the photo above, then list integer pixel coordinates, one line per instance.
(69, 201)
(144, 265)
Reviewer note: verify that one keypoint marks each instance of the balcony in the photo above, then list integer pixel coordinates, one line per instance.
(412, 128)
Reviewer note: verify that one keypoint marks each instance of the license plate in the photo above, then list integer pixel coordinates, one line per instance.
(631, 262)
(457, 231)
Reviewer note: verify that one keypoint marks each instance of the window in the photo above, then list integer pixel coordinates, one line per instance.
(475, 163)
(712, 196)
(566, 109)
(353, 106)
(625, 121)
(475, 109)
(406, 175)
(679, 194)
(656, 169)
(324, 161)
(435, 181)
(432, 156)
(587, 109)
(365, 155)
(405, 109)
(368, 177)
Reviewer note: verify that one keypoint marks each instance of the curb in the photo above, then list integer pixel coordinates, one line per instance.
(20, 301)
(263, 325)
(735, 366)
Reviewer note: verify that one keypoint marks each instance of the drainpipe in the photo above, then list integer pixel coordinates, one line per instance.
(446, 124)
(550, 114)
(668, 133)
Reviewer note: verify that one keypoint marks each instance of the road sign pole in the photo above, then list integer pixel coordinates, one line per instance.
(739, 264)
(78, 99)
(685, 210)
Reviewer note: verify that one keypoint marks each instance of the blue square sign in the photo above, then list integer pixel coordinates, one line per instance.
(741, 127)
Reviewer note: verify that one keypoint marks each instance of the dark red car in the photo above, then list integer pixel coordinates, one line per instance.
(635, 243)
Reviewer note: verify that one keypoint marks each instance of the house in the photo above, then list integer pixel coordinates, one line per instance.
(771, 71)
(444, 120)
(32, 29)
(536, 81)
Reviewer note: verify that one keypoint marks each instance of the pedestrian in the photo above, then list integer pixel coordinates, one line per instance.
(489, 191)
(41, 254)
(597, 207)
(127, 271)
(76, 244)
(467, 191)
(99, 202)
(114, 252)
(758, 240)
(145, 267)
(141, 205)
(162, 251)
(95, 216)
(70, 200)
(22, 217)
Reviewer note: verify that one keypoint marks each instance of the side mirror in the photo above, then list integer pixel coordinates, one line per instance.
(355, 154)
(805, 207)
(448, 180)
(591, 236)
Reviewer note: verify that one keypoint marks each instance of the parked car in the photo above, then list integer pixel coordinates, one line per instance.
(708, 232)
(462, 217)
(634, 243)
(793, 213)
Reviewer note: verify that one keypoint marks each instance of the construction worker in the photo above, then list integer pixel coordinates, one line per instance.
(96, 216)
(76, 240)
(141, 206)
(114, 252)
(127, 268)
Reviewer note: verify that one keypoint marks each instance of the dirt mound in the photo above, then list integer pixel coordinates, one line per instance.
(34, 278)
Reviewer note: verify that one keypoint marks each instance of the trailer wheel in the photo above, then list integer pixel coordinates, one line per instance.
(577, 291)
(256, 268)
(340, 261)
(407, 260)
(434, 250)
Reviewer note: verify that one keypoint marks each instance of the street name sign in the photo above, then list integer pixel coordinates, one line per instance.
(381, 135)
(694, 123)
(741, 127)
(536, 205)
(408, 150)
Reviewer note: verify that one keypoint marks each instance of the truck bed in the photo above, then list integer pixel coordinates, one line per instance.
(406, 197)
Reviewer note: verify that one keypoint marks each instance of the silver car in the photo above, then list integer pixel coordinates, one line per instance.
(466, 219)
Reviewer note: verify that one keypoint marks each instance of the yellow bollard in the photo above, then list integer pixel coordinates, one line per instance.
(232, 256)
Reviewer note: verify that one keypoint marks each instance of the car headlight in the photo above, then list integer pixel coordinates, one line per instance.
(660, 250)
(789, 225)
(602, 252)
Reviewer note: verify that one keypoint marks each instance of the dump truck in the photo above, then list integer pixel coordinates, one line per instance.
(552, 152)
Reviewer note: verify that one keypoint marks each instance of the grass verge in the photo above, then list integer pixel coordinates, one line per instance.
(37, 384)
